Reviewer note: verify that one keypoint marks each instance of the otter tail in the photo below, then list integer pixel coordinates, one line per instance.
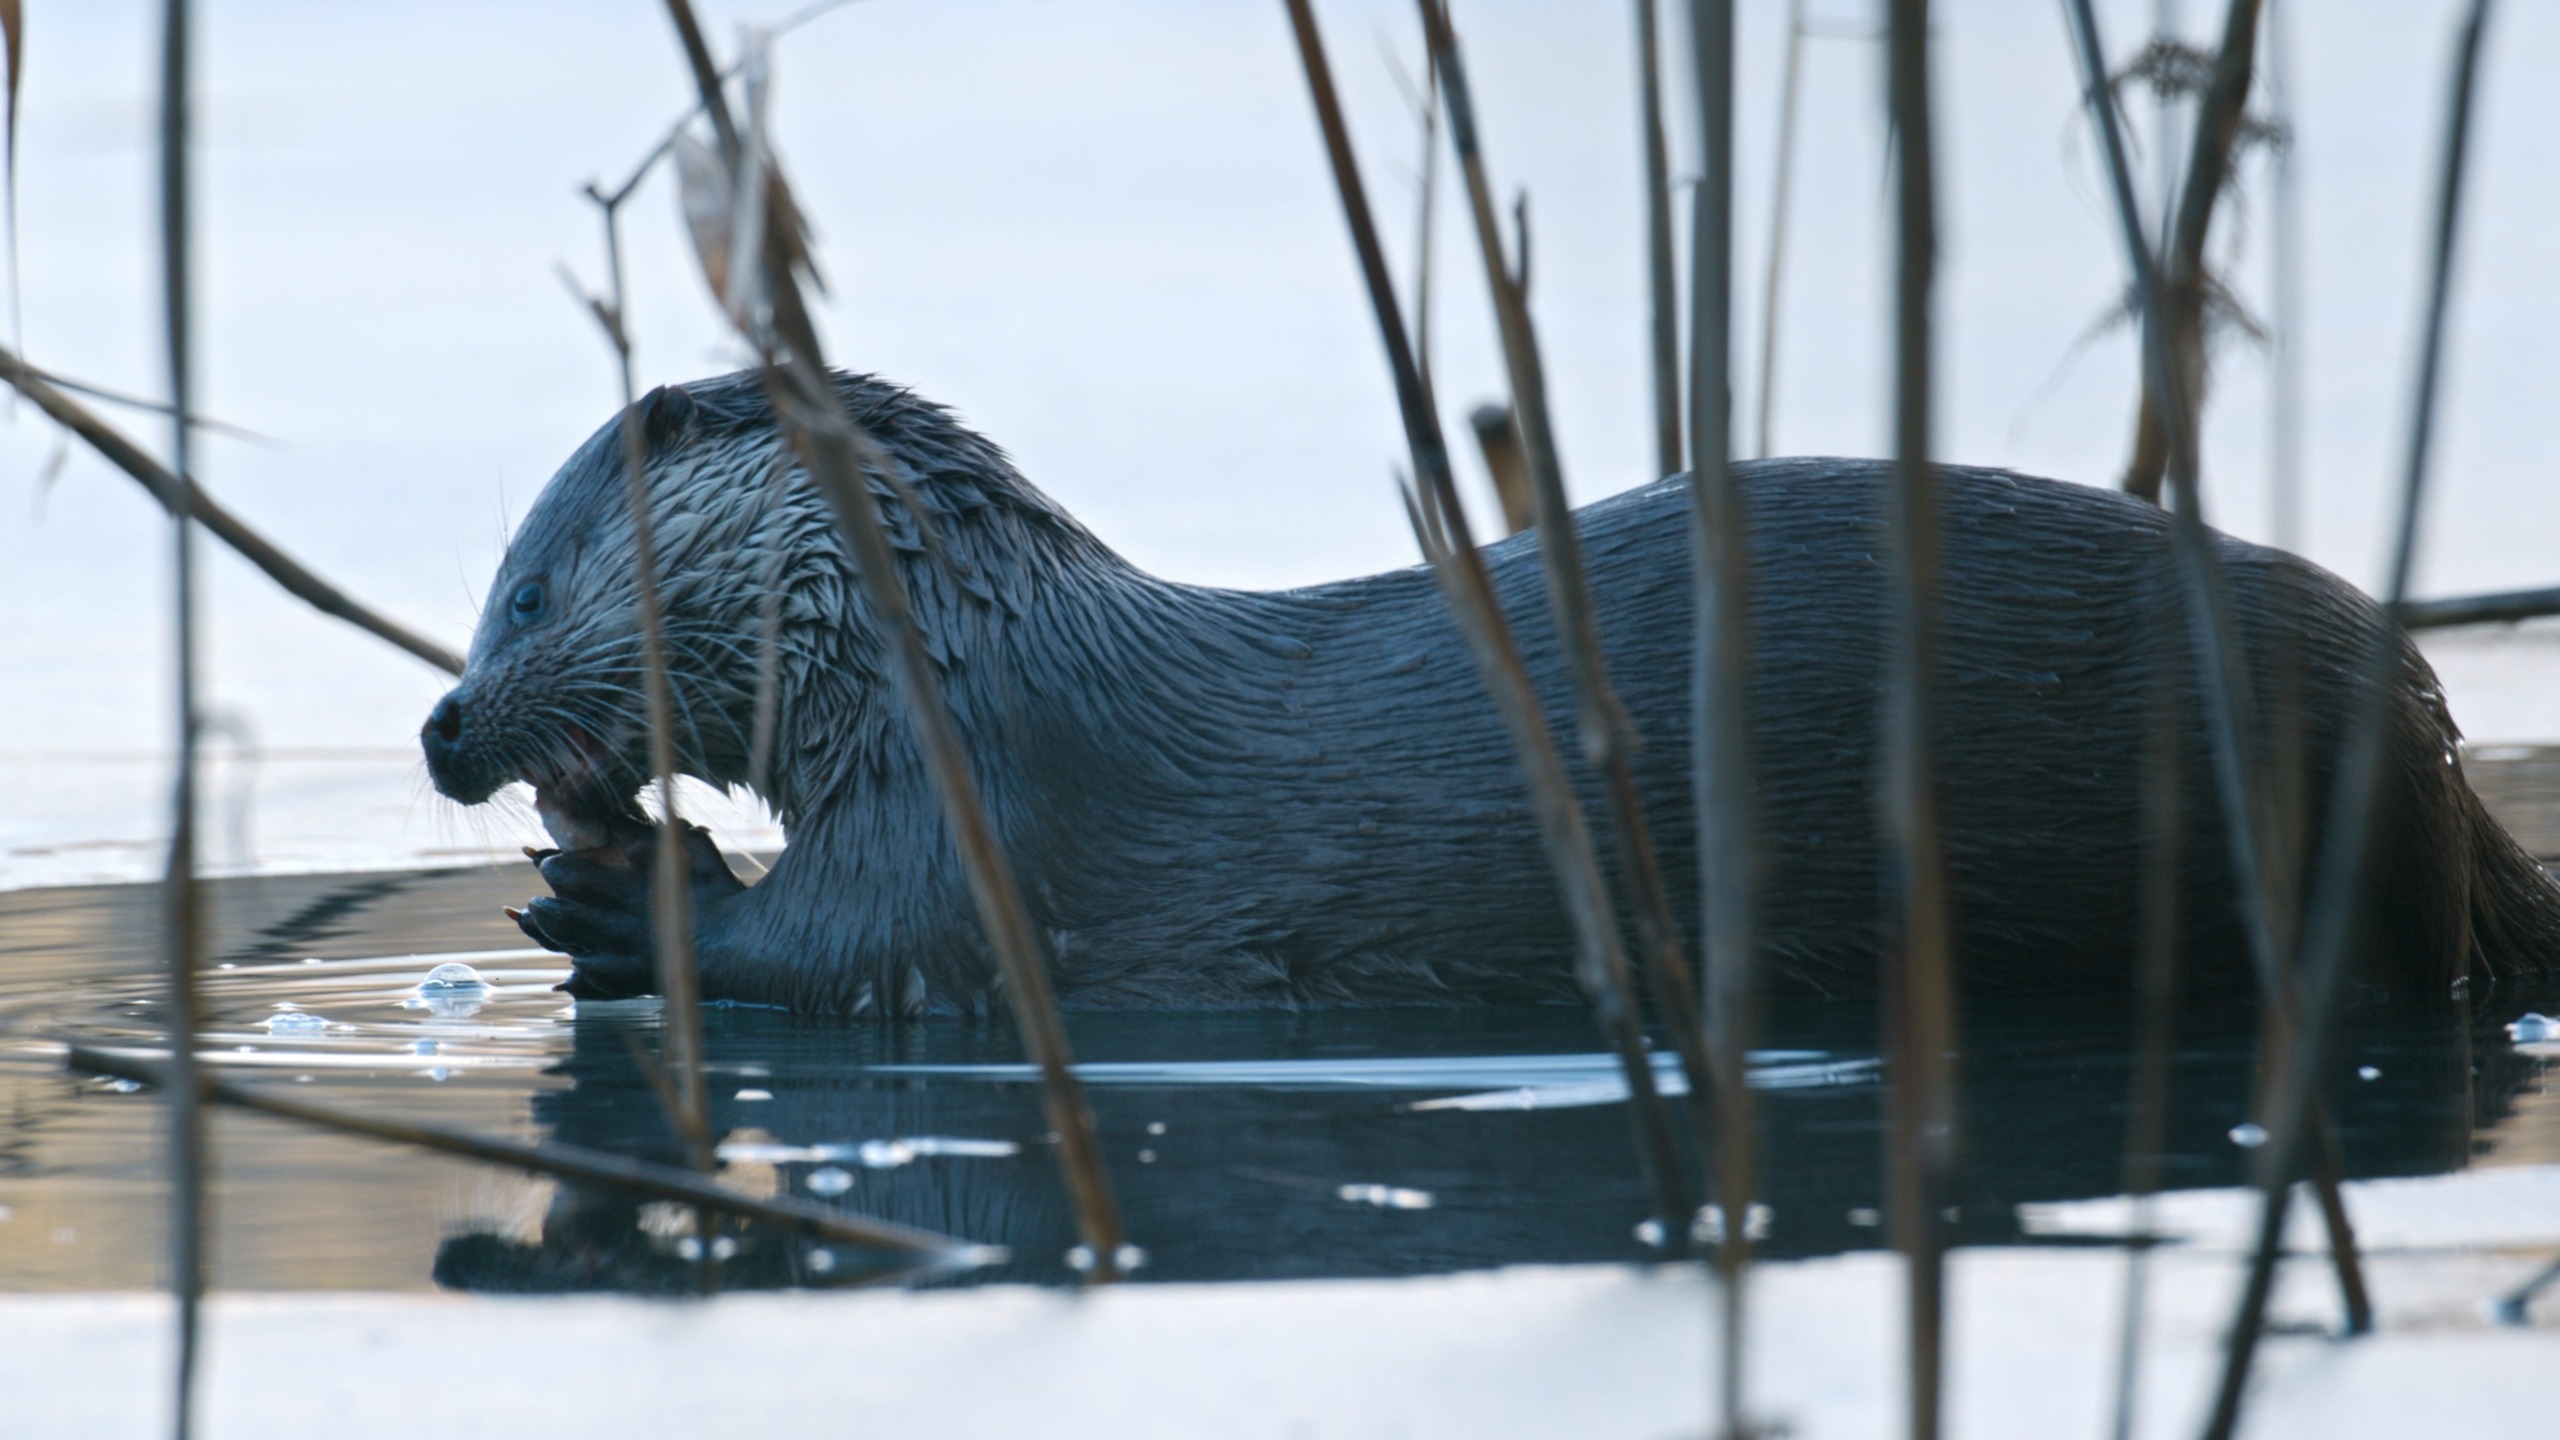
(2515, 903)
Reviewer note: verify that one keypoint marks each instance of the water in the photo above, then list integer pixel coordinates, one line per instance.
(1242, 1146)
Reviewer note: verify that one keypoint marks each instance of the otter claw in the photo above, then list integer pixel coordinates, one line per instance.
(512, 913)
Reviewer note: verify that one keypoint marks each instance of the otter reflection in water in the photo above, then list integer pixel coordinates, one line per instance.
(1221, 799)
(1278, 1146)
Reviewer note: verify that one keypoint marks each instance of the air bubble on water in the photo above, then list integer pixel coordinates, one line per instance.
(1146, 1157)
(724, 1247)
(2368, 1072)
(2248, 1135)
(755, 1095)
(1155, 1127)
(295, 1022)
(301, 1079)
(2534, 1029)
(688, 1248)
(1707, 1226)
(226, 965)
(886, 1154)
(1866, 1217)
(422, 1047)
(1386, 1197)
(451, 991)
(1650, 1233)
(829, 1180)
(310, 959)
(246, 1049)
(439, 1074)
(1081, 1258)
(120, 1085)
(822, 1261)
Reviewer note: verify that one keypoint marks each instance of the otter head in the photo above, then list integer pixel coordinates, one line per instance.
(553, 693)
(774, 665)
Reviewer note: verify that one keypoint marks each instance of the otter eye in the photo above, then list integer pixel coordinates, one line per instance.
(527, 601)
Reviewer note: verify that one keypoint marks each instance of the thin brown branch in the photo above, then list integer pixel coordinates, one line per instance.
(1791, 76)
(1919, 959)
(1660, 275)
(2156, 986)
(1499, 440)
(564, 1162)
(838, 455)
(1441, 524)
(1722, 774)
(670, 890)
(2504, 607)
(125, 455)
(189, 1147)
(1607, 734)
(2182, 294)
(2263, 848)
(205, 424)
(2291, 1113)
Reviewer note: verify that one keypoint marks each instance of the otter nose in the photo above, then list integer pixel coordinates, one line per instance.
(441, 733)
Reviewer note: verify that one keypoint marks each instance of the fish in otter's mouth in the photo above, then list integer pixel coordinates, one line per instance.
(579, 791)
(578, 808)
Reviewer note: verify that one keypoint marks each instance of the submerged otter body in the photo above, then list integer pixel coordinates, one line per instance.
(1218, 798)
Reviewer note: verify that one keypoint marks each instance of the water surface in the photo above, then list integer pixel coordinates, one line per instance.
(1243, 1146)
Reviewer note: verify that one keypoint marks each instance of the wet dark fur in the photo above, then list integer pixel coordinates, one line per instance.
(1223, 798)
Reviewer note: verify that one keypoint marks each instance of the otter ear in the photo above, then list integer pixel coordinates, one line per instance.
(666, 417)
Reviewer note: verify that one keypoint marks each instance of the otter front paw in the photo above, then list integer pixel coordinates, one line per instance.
(610, 977)
(600, 913)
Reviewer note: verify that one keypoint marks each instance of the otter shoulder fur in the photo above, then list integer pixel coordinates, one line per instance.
(1222, 798)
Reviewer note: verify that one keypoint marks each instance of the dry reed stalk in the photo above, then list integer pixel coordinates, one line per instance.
(2264, 847)
(1607, 734)
(2285, 308)
(189, 1157)
(565, 1162)
(2155, 1011)
(1791, 72)
(670, 891)
(13, 35)
(837, 456)
(204, 424)
(2503, 607)
(2511, 1308)
(1441, 526)
(1919, 965)
(1426, 213)
(1661, 274)
(1499, 438)
(2183, 280)
(190, 499)
(2291, 1116)
(1720, 759)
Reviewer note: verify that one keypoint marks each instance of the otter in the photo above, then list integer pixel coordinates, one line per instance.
(1219, 798)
